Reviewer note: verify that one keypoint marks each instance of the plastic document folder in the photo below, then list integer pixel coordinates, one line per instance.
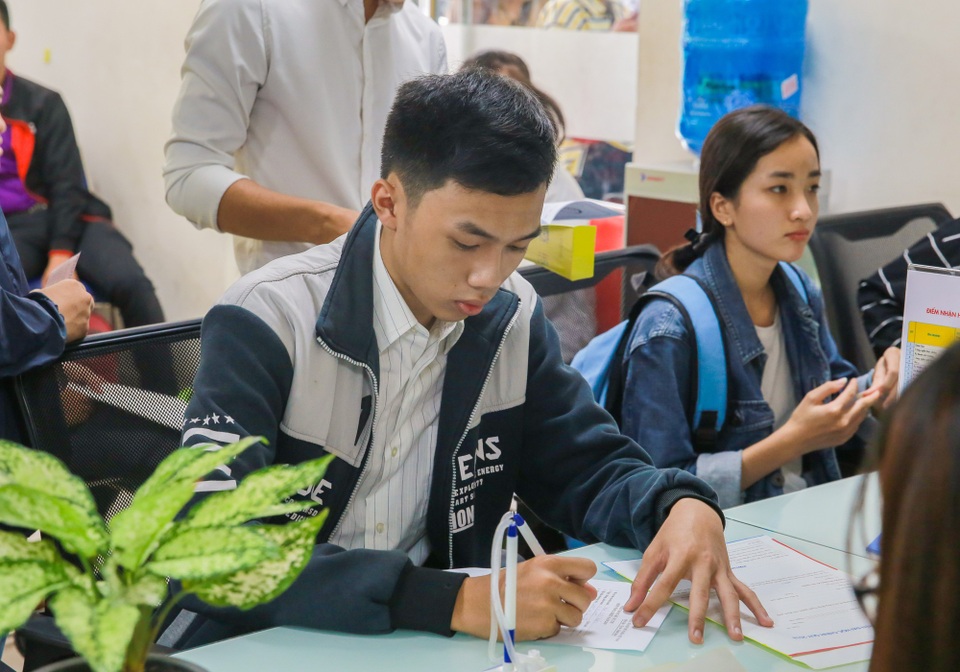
(817, 619)
(567, 242)
(931, 318)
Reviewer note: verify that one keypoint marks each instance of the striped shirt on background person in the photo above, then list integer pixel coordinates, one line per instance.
(881, 296)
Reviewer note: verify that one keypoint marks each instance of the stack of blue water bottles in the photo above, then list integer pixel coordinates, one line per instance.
(738, 53)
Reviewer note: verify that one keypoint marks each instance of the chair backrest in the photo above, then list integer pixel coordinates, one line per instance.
(850, 247)
(112, 406)
(580, 309)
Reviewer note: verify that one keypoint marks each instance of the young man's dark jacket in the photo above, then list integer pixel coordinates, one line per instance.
(290, 354)
(48, 160)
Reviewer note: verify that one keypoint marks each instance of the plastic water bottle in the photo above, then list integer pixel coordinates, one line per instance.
(738, 53)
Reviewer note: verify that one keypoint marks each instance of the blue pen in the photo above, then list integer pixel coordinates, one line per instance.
(510, 590)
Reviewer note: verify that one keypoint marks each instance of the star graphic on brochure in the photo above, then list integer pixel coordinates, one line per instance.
(227, 419)
(216, 419)
(194, 420)
(206, 420)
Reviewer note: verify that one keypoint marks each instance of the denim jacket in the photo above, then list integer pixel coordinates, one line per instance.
(659, 395)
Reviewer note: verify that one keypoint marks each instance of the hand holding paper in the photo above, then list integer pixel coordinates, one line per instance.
(61, 267)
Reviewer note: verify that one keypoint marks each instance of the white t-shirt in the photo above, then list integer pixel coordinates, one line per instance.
(776, 386)
(293, 94)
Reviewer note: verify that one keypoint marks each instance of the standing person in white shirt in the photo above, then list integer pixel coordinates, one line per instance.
(279, 121)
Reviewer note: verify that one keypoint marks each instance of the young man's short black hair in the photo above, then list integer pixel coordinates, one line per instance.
(481, 130)
(5, 14)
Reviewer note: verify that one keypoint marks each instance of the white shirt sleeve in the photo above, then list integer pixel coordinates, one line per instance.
(226, 63)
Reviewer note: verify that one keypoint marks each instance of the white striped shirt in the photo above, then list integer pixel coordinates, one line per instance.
(881, 296)
(389, 509)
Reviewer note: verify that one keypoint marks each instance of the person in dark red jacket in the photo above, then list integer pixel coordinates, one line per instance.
(43, 193)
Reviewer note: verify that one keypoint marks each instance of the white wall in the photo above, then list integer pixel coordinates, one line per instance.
(883, 95)
(117, 62)
(591, 75)
(881, 91)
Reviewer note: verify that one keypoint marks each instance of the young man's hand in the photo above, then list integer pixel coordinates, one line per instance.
(551, 591)
(690, 545)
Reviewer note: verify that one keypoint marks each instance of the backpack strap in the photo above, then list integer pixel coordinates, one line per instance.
(793, 274)
(601, 361)
(710, 381)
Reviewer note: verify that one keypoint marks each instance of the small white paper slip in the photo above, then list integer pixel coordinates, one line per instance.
(64, 271)
(154, 406)
(471, 571)
(605, 625)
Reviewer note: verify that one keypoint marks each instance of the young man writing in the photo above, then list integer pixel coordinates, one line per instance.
(411, 351)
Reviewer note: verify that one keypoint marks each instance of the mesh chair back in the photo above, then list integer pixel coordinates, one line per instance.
(851, 247)
(580, 309)
(112, 406)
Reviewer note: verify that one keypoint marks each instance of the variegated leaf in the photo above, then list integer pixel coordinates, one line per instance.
(210, 552)
(248, 588)
(191, 463)
(148, 591)
(258, 494)
(42, 471)
(23, 585)
(80, 530)
(100, 632)
(15, 546)
(138, 530)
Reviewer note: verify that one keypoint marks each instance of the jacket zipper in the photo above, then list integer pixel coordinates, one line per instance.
(463, 437)
(376, 413)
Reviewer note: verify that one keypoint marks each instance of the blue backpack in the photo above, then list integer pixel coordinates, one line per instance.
(601, 360)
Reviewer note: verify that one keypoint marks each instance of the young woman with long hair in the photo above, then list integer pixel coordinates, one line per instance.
(791, 397)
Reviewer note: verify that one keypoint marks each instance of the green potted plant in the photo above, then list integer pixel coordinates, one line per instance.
(107, 585)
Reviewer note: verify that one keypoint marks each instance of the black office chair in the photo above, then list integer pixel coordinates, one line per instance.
(850, 247)
(111, 408)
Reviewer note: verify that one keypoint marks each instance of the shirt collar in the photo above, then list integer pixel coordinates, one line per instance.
(392, 317)
(392, 7)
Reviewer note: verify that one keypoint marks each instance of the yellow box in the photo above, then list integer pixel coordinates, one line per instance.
(565, 249)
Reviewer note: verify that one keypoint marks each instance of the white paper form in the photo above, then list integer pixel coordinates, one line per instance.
(817, 619)
(154, 406)
(64, 271)
(605, 625)
(931, 318)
